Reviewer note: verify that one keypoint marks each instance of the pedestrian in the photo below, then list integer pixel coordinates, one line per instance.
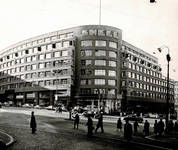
(119, 124)
(176, 126)
(128, 131)
(170, 126)
(160, 127)
(155, 127)
(90, 126)
(33, 124)
(135, 127)
(76, 121)
(146, 128)
(100, 123)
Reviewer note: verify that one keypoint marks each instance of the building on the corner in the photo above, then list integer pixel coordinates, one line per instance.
(87, 65)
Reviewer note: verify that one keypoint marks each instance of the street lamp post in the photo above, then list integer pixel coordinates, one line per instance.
(168, 57)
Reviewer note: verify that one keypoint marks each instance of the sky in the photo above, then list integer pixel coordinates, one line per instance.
(145, 25)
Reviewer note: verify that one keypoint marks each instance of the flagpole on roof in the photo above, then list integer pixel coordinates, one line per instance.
(100, 13)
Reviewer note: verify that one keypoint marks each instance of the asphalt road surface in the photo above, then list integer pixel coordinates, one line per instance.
(54, 133)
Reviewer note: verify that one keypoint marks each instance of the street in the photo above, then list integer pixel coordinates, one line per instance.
(55, 133)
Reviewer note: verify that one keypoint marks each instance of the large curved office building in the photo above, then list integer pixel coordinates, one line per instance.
(84, 65)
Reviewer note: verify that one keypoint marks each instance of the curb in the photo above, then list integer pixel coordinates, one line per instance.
(11, 139)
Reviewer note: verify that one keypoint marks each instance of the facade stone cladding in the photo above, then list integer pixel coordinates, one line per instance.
(86, 65)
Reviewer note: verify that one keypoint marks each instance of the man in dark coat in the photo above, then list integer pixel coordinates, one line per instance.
(135, 127)
(76, 121)
(146, 128)
(33, 123)
(128, 131)
(160, 127)
(100, 123)
(155, 128)
(119, 124)
(90, 126)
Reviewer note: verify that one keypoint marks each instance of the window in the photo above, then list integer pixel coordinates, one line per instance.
(28, 76)
(112, 82)
(92, 32)
(123, 83)
(66, 44)
(28, 68)
(111, 91)
(43, 48)
(86, 43)
(63, 81)
(39, 49)
(100, 53)
(33, 66)
(26, 51)
(41, 65)
(62, 36)
(64, 53)
(113, 44)
(48, 55)
(22, 68)
(100, 62)
(54, 38)
(112, 63)
(22, 60)
(47, 82)
(28, 59)
(85, 82)
(17, 69)
(109, 33)
(86, 62)
(86, 53)
(101, 32)
(100, 72)
(34, 58)
(112, 54)
(100, 43)
(111, 73)
(99, 81)
(86, 72)
(53, 45)
(34, 75)
(41, 83)
(84, 32)
(48, 64)
(59, 45)
(41, 57)
(57, 54)
(85, 91)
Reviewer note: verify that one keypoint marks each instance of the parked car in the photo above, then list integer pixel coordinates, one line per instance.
(50, 107)
(134, 118)
(27, 105)
(86, 113)
(38, 107)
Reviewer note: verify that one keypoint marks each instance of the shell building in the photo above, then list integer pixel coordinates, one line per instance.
(86, 65)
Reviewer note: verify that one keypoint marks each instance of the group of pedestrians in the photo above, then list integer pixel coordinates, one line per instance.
(159, 127)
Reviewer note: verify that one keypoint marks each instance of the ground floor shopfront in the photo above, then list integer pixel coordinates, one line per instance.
(41, 98)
